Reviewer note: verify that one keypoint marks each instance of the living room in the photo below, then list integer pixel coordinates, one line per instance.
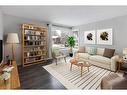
(63, 47)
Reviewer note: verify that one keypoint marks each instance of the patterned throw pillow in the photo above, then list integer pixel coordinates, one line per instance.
(92, 50)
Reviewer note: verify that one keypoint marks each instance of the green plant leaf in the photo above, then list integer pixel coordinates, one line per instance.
(71, 41)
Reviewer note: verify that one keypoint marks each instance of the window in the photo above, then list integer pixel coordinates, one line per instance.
(76, 36)
(59, 36)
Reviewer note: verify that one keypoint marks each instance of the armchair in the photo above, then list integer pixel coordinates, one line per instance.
(57, 54)
(114, 81)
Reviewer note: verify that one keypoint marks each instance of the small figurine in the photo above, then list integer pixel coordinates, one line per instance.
(8, 60)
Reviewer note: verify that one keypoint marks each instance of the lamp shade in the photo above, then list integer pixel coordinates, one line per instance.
(125, 51)
(12, 38)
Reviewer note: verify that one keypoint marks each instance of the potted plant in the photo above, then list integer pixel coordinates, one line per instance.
(71, 44)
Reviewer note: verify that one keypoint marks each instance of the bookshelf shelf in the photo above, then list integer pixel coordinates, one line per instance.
(36, 50)
(35, 40)
(35, 62)
(34, 44)
(35, 35)
(32, 56)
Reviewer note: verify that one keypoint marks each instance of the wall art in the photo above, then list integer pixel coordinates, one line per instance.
(104, 36)
(90, 37)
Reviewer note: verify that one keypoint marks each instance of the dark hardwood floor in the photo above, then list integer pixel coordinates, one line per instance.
(36, 77)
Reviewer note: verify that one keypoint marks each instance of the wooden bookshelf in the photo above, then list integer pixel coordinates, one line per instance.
(34, 44)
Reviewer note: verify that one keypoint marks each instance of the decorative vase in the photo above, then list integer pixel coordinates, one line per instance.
(71, 54)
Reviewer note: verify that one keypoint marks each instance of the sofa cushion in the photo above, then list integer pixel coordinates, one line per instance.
(81, 49)
(84, 55)
(109, 52)
(92, 50)
(100, 51)
(100, 59)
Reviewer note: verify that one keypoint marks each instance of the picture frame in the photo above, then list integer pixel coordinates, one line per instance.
(104, 36)
(90, 37)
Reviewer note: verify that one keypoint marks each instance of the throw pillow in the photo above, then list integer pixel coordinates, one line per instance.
(109, 52)
(87, 49)
(81, 49)
(92, 50)
(100, 51)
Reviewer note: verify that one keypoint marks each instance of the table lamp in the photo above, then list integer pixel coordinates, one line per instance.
(12, 38)
(125, 53)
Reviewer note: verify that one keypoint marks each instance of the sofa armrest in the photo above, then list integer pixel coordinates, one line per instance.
(114, 62)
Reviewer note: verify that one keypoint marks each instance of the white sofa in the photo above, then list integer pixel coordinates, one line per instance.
(99, 59)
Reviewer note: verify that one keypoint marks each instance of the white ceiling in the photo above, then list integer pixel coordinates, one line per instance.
(66, 15)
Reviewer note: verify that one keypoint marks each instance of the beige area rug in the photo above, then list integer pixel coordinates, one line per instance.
(73, 80)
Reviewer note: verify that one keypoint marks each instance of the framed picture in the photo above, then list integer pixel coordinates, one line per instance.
(89, 37)
(104, 36)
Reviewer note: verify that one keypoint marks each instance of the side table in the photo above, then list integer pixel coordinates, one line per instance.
(120, 62)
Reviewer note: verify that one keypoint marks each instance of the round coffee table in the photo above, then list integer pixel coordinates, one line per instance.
(80, 63)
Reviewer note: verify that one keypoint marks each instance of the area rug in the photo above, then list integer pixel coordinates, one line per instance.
(73, 80)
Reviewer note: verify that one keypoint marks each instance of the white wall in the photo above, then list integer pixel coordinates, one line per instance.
(1, 25)
(119, 26)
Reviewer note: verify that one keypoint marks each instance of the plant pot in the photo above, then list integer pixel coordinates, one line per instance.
(71, 54)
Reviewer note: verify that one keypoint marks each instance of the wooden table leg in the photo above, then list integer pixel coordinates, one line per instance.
(65, 59)
(88, 69)
(81, 70)
(119, 67)
(56, 61)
